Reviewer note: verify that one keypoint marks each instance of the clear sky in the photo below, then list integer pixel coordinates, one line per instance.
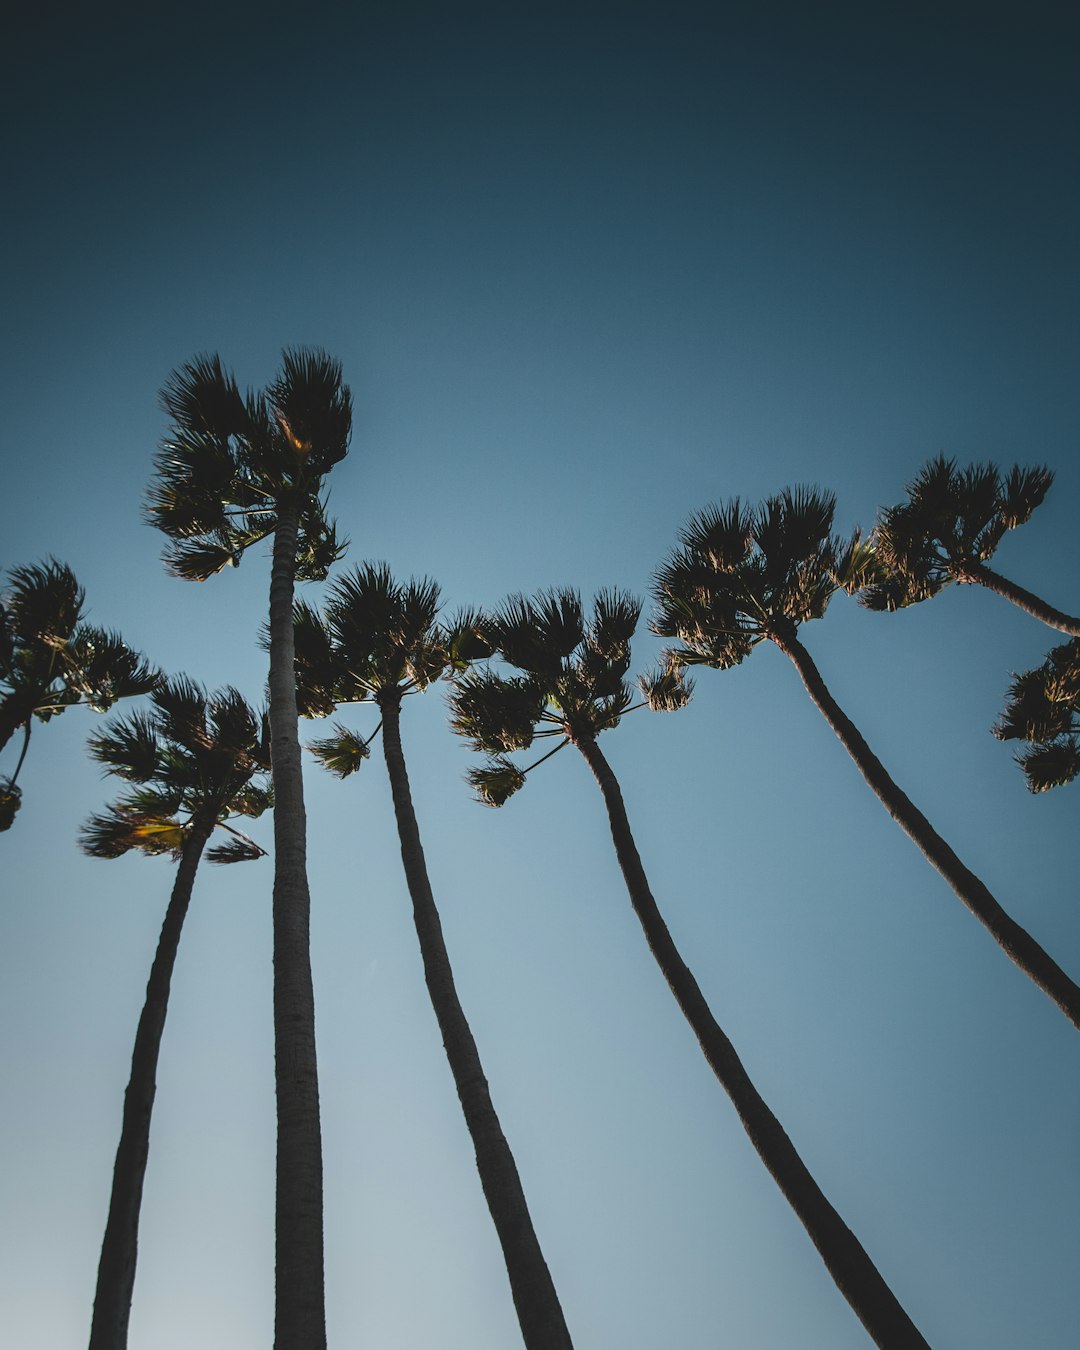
(588, 267)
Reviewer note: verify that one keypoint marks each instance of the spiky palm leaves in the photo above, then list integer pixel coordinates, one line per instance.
(232, 466)
(572, 687)
(230, 472)
(50, 660)
(949, 528)
(194, 762)
(572, 684)
(740, 576)
(1043, 708)
(379, 641)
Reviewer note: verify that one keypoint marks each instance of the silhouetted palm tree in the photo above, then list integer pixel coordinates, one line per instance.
(742, 576)
(1043, 708)
(951, 523)
(380, 643)
(196, 762)
(231, 472)
(572, 687)
(50, 660)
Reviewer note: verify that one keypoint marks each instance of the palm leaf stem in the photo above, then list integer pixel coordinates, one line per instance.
(116, 1268)
(1014, 940)
(300, 1318)
(855, 1274)
(239, 834)
(553, 751)
(1023, 599)
(27, 729)
(540, 1315)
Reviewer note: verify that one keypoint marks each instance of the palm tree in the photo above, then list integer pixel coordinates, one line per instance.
(951, 523)
(231, 472)
(1043, 708)
(51, 660)
(741, 576)
(195, 762)
(572, 687)
(380, 642)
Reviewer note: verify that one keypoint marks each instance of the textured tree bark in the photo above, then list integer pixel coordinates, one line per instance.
(116, 1268)
(1025, 600)
(1016, 942)
(856, 1276)
(300, 1317)
(540, 1315)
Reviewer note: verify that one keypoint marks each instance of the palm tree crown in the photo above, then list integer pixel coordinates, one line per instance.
(572, 684)
(949, 527)
(1043, 708)
(741, 575)
(231, 463)
(195, 761)
(51, 660)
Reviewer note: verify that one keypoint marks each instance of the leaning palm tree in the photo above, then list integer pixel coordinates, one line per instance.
(950, 525)
(195, 762)
(377, 643)
(230, 473)
(50, 660)
(571, 687)
(741, 576)
(1043, 708)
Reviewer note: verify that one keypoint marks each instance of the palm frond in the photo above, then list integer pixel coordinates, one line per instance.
(1050, 766)
(10, 801)
(464, 639)
(101, 668)
(313, 407)
(43, 604)
(319, 669)
(721, 536)
(342, 753)
(496, 782)
(614, 622)
(495, 713)
(1022, 491)
(128, 747)
(667, 689)
(201, 396)
(235, 850)
(198, 562)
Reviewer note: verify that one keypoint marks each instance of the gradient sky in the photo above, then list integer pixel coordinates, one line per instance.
(588, 267)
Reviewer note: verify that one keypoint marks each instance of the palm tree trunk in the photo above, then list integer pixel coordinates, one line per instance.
(856, 1276)
(300, 1318)
(540, 1315)
(1016, 942)
(1025, 600)
(116, 1268)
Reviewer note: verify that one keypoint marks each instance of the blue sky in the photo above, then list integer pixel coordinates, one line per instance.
(588, 268)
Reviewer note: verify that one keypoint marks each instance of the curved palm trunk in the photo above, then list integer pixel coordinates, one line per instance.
(300, 1318)
(856, 1276)
(1016, 942)
(1025, 600)
(540, 1315)
(116, 1268)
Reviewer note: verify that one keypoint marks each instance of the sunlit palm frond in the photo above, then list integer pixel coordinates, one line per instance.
(313, 407)
(464, 638)
(198, 562)
(1022, 491)
(666, 689)
(101, 668)
(720, 536)
(615, 619)
(343, 753)
(496, 782)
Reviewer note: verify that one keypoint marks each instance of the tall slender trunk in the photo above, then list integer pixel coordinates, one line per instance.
(1016, 942)
(543, 1326)
(856, 1276)
(300, 1317)
(116, 1268)
(1025, 600)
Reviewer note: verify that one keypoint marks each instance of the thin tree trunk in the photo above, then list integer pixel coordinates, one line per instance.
(116, 1269)
(1016, 942)
(540, 1315)
(856, 1276)
(1025, 600)
(300, 1317)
